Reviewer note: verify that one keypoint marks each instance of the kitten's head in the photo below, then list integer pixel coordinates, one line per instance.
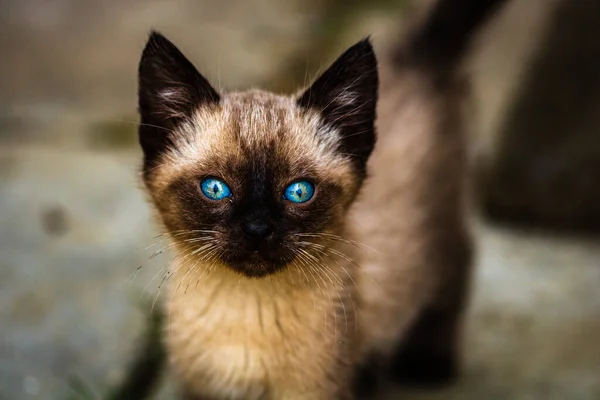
(247, 179)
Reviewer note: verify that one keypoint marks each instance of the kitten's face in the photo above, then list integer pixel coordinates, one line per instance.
(247, 179)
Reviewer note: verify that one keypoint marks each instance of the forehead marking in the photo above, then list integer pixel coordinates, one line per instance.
(256, 121)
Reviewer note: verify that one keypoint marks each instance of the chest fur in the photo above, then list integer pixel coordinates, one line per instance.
(233, 337)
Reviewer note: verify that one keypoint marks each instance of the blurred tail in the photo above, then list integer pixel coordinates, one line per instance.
(443, 37)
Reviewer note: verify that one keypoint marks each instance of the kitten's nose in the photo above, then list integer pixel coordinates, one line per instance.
(257, 230)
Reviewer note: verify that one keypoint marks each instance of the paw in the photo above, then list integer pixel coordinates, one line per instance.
(424, 369)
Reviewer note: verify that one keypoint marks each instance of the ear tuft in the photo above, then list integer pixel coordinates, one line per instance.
(170, 88)
(346, 96)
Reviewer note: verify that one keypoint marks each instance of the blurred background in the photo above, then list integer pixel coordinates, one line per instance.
(75, 226)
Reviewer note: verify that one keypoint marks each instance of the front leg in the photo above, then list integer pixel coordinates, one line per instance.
(334, 382)
(327, 374)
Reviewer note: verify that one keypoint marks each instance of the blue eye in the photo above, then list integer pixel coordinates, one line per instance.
(215, 189)
(299, 192)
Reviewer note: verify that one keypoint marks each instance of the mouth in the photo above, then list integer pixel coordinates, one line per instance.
(253, 264)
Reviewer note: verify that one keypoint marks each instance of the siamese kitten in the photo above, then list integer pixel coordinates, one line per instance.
(311, 260)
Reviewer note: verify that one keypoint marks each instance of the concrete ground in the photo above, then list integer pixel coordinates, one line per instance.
(74, 227)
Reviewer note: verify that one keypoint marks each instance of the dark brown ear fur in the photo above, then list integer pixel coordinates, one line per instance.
(170, 89)
(346, 97)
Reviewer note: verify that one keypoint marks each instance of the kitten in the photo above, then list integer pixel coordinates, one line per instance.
(310, 261)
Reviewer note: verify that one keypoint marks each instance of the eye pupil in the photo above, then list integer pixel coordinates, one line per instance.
(215, 189)
(299, 192)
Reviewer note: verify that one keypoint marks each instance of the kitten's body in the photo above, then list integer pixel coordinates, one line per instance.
(411, 209)
(378, 278)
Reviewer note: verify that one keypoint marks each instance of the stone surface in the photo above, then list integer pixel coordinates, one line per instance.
(74, 62)
(73, 228)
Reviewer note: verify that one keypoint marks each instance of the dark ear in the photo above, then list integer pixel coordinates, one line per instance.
(170, 89)
(346, 97)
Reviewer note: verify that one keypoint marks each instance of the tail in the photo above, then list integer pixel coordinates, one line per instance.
(443, 37)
